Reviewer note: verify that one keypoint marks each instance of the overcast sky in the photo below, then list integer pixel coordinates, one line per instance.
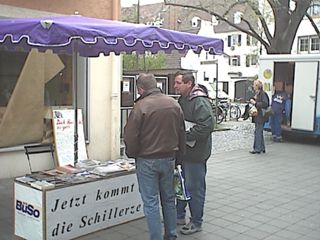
(128, 3)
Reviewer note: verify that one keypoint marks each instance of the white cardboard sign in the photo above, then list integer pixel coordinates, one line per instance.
(63, 128)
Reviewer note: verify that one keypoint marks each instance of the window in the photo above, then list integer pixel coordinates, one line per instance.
(315, 44)
(303, 44)
(234, 61)
(251, 41)
(39, 89)
(308, 44)
(127, 91)
(234, 39)
(237, 17)
(225, 87)
(314, 9)
(251, 60)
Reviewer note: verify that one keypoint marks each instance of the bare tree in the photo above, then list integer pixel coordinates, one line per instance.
(286, 14)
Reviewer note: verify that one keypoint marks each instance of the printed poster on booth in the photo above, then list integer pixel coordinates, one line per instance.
(63, 127)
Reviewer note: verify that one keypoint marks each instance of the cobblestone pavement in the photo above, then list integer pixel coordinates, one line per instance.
(235, 135)
(272, 196)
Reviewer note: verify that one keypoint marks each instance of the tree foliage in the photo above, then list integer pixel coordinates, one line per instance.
(143, 62)
(286, 15)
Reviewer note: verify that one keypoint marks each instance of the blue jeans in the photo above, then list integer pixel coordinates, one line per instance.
(258, 144)
(287, 108)
(155, 178)
(275, 124)
(195, 180)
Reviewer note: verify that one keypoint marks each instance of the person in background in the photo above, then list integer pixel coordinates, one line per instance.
(278, 107)
(288, 104)
(260, 101)
(198, 113)
(154, 135)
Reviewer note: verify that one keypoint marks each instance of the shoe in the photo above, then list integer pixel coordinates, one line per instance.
(190, 228)
(254, 152)
(181, 221)
(263, 151)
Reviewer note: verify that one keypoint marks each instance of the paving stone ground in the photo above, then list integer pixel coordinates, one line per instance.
(272, 196)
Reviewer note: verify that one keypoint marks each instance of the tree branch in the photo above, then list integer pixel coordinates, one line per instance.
(255, 34)
(313, 24)
(264, 25)
(252, 31)
(230, 8)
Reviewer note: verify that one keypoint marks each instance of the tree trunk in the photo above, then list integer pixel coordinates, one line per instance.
(287, 23)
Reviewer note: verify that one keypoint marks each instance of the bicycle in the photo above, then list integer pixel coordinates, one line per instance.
(225, 109)
(234, 109)
(221, 113)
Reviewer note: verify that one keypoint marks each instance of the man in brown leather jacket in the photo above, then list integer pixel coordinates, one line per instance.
(154, 135)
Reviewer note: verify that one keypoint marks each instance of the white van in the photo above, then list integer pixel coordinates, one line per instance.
(299, 75)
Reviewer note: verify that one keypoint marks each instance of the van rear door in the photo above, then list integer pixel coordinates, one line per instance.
(304, 92)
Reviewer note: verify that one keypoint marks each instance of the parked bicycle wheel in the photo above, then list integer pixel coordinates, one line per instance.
(220, 112)
(235, 112)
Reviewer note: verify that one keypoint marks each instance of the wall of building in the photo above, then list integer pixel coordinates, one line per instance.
(104, 107)
(93, 8)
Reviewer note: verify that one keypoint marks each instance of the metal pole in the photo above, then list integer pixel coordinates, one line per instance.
(138, 21)
(216, 123)
(75, 97)
(138, 12)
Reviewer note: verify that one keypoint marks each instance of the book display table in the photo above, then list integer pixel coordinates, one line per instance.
(72, 210)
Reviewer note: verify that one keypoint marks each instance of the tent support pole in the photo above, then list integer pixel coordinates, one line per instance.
(75, 96)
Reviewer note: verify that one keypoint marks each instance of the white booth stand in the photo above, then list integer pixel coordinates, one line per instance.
(71, 211)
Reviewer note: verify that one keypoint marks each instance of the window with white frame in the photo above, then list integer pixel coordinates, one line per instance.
(308, 44)
(303, 44)
(234, 60)
(315, 41)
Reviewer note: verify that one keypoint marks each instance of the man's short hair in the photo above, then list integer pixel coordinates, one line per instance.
(178, 73)
(188, 77)
(146, 81)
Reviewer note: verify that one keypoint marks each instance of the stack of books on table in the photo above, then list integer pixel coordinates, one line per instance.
(120, 165)
(88, 164)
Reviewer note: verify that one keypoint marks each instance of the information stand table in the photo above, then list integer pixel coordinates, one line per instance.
(70, 211)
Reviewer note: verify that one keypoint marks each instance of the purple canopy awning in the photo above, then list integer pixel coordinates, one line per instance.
(97, 36)
(89, 37)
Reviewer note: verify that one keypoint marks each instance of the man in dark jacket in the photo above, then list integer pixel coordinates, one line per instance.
(154, 135)
(198, 112)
